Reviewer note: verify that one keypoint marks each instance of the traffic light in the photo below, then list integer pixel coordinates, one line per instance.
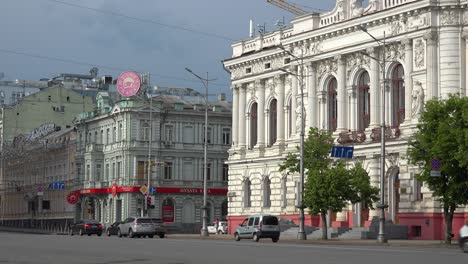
(149, 202)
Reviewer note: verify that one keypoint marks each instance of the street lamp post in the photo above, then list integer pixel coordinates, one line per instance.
(381, 238)
(149, 148)
(301, 235)
(204, 231)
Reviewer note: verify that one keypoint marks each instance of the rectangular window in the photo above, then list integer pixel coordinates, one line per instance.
(248, 70)
(287, 61)
(267, 66)
(169, 134)
(108, 136)
(225, 172)
(226, 136)
(98, 172)
(188, 171)
(418, 196)
(119, 165)
(141, 170)
(208, 172)
(188, 134)
(113, 170)
(115, 135)
(88, 172)
(168, 170)
(107, 172)
(145, 131)
(209, 136)
(101, 137)
(120, 132)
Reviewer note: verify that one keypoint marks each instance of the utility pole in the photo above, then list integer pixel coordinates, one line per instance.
(301, 235)
(381, 238)
(204, 231)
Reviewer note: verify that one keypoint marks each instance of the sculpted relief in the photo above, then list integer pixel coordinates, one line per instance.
(449, 17)
(419, 54)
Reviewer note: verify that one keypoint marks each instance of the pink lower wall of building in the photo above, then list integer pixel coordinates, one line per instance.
(430, 226)
(421, 226)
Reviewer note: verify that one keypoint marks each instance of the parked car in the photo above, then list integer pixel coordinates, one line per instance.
(258, 226)
(113, 229)
(463, 240)
(141, 227)
(222, 228)
(87, 226)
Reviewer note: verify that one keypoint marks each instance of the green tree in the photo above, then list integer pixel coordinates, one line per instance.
(328, 187)
(442, 133)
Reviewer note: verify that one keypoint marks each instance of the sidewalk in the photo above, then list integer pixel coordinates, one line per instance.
(350, 242)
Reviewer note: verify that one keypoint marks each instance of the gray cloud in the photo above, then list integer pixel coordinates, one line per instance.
(56, 30)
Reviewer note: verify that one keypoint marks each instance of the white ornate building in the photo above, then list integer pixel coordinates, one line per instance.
(344, 68)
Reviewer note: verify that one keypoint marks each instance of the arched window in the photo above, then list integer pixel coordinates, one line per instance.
(332, 104)
(273, 121)
(253, 125)
(398, 96)
(266, 192)
(363, 101)
(247, 193)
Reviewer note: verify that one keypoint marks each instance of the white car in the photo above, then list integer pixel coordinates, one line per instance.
(222, 228)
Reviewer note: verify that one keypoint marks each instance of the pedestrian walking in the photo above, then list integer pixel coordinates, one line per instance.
(217, 224)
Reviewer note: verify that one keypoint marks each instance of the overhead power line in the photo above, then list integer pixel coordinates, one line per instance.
(144, 20)
(94, 65)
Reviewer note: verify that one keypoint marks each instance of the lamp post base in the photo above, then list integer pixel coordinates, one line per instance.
(301, 235)
(381, 239)
(204, 229)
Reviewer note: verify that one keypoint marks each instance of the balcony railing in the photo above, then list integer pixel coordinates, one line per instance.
(390, 133)
(351, 137)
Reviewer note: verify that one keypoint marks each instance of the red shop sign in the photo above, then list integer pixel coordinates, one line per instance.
(190, 190)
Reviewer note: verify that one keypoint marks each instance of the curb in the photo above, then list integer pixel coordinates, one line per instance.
(397, 243)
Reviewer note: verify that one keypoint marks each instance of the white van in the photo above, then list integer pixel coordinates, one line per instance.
(258, 226)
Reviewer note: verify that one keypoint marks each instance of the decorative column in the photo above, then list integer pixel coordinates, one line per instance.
(374, 174)
(322, 97)
(242, 100)
(311, 93)
(352, 109)
(260, 87)
(375, 90)
(293, 77)
(408, 79)
(449, 52)
(432, 75)
(278, 82)
(341, 122)
(235, 115)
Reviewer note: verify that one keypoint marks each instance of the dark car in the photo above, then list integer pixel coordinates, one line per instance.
(113, 229)
(87, 227)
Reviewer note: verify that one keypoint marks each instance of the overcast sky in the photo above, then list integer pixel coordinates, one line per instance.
(147, 40)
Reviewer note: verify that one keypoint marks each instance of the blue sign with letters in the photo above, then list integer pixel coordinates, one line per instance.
(342, 152)
(57, 186)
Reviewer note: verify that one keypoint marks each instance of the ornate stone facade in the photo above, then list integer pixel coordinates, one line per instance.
(344, 92)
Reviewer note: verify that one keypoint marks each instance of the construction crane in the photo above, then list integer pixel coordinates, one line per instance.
(288, 7)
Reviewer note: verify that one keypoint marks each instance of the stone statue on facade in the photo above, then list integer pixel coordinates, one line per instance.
(299, 117)
(356, 8)
(417, 97)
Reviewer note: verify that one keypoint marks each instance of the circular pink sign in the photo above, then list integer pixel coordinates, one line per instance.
(128, 83)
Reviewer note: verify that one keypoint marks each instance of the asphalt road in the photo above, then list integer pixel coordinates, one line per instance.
(37, 249)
